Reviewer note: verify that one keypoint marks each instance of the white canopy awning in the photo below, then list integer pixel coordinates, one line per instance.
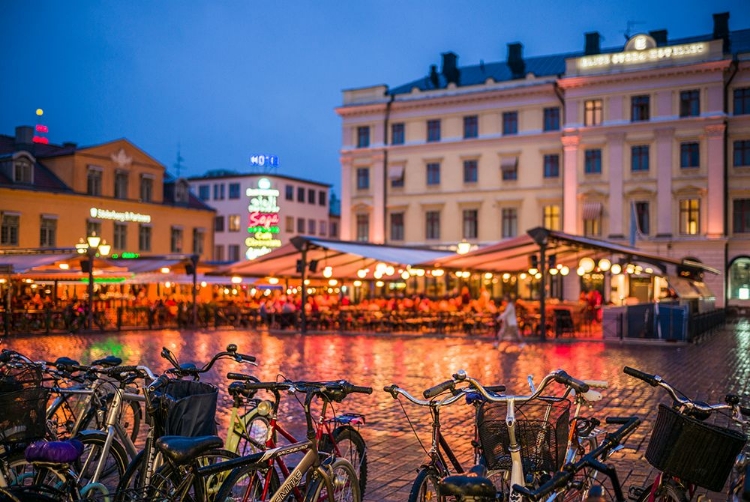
(11, 263)
(592, 210)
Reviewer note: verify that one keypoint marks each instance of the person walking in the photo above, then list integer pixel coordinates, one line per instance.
(508, 324)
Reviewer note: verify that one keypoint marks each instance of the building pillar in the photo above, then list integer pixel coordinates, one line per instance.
(664, 161)
(715, 196)
(377, 182)
(345, 227)
(615, 144)
(570, 184)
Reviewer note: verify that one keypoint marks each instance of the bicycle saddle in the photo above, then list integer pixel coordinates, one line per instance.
(181, 450)
(471, 484)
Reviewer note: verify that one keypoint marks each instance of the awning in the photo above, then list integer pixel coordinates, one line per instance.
(19, 263)
(508, 163)
(180, 278)
(592, 210)
(396, 172)
(141, 265)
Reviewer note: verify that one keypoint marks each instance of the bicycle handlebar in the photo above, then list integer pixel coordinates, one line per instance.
(438, 389)
(559, 376)
(190, 369)
(394, 390)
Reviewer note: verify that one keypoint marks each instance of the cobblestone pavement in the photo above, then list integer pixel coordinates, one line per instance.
(719, 364)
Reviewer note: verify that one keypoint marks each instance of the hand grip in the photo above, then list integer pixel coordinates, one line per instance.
(158, 383)
(652, 380)
(360, 389)
(246, 358)
(565, 379)
(438, 389)
(240, 376)
(597, 384)
(391, 389)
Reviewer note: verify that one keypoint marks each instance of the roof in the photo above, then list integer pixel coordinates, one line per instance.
(547, 66)
(224, 174)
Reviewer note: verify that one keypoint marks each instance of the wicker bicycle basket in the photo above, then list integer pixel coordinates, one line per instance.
(699, 453)
(23, 415)
(541, 431)
(186, 408)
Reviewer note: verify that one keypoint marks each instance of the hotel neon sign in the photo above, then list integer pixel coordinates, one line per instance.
(122, 216)
(263, 219)
(644, 50)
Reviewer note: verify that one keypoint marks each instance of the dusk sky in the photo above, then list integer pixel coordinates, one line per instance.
(224, 80)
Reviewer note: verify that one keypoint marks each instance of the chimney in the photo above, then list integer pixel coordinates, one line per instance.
(24, 138)
(434, 77)
(659, 36)
(450, 67)
(515, 60)
(721, 28)
(70, 144)
(592, 43)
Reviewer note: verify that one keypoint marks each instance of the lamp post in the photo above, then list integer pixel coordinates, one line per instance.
(92, 247)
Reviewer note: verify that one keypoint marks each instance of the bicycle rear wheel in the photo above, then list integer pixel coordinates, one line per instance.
(425, 486)
(248, 483)
(343, 484)
(168, 477)
(351, 446)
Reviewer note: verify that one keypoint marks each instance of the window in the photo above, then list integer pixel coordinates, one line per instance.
(552, 119)
(219, 191)
(509, 168)
(175, 242)
(592, 112)
(592, 221)
(471, 171)
(94, 228)
(551, 217)
(181, 191)
(510, 123)
(396, 175)
(289, 192)
(9, 229)
(742, 153)
(204, 192)
(300, 225)
(300, 194)
(219, 224)
(323, 227)
(334, 229)
(289, 226)
(639, 108)
(471, 126)
(741, 216)
(48, 233)
(233, 223)
(397, 226)
(311, 196)
(234, 190)
(233, 252)
(397, 133)
(363, 178)
(690, 212)
(690, 103)
(510, 222)
(739, 279)
(742, 101)
(470, 227)
(219, 252)
(363, 227)
(322, 198)
(94, 181)
(690, 154)
(642, 217)
(639, 159)
(311, 224)
(144, 238)
(433, 173)
(433, 130)
(121, 185)
(552, 166)
(147, 189)
(432, 225)
(22, 171)
(121, 236)
(363, 136)
(198, 240)
(592, 161)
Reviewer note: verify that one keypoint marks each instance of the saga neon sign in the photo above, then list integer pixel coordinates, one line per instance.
(263, 219)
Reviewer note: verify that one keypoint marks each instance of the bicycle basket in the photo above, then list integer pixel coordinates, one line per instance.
(699, 453)
(186, 408)
(25, 377)
(541, 431)
(23, 415)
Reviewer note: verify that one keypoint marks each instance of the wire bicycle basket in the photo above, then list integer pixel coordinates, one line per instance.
(697, 452)
(541, 431)
(23, 415)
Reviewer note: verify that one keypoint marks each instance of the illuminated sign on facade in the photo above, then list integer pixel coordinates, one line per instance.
(106, 214)
(263, 219)
(642, 49)
(264, 160)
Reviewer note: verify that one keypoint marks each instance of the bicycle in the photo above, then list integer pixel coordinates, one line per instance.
(335, 435)
(435, 467)
(690, 453)
(327, 477)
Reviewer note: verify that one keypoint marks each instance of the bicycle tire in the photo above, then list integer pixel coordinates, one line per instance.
(343, 479)
(247, 483)
(668, 491)
(21, 472)
(425, 486)
(255, 439)
(352, 447)
(169, 476)
(115, 465)
(737, 481)
(130, 480)
(30, 494)
(130, 418)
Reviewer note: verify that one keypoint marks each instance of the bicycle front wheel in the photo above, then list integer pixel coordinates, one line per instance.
(425, 487)
(343, 485)
(247, 483)
(351, 446)
(668, 491)
(255, 439)
(112, 466)
(168, 477)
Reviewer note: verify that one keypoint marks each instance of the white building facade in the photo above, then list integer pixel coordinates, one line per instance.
(645, 143)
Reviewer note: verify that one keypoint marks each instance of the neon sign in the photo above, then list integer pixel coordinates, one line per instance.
(644, 50)
(264, 160)
(263, 219)
(106, 214)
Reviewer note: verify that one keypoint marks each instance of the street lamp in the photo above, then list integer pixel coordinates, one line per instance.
(93, 246)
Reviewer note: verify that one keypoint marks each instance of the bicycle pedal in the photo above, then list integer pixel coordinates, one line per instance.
(635, 492)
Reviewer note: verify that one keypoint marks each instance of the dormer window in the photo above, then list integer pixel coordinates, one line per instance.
(181, 190)
(23, 170)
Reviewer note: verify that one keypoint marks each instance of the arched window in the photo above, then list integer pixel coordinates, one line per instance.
(739, 279)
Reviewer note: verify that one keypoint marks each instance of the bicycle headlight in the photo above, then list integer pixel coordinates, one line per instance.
(264, 408)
